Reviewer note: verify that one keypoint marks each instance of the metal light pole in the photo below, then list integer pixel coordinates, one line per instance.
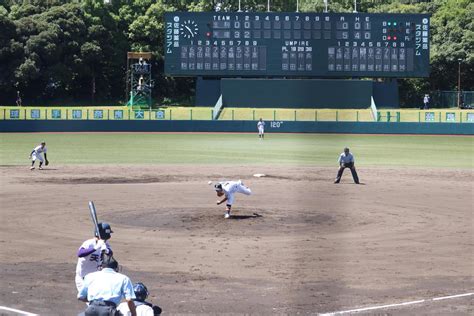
(240, 9)
(355, 6)
(326, 5)
(297, 6)
(459, 82)
(268, 6)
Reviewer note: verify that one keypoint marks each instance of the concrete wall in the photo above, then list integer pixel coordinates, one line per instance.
(296, 93)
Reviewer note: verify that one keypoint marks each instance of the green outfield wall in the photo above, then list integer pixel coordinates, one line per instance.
(296, 93)
(234, 126)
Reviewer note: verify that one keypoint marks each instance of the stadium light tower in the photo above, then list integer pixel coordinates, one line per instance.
(459, 82)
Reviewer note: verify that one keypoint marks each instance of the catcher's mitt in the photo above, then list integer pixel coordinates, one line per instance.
(46, 162)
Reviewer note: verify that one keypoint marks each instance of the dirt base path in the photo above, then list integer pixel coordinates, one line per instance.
(299, 244)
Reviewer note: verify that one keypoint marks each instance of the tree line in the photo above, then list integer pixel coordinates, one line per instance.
(73, 52)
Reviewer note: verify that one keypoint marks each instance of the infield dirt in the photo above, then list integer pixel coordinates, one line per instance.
(299, 244)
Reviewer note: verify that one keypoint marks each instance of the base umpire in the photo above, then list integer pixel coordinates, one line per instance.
(346, 160)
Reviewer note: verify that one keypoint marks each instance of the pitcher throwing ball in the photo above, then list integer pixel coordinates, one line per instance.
(228, 190)
(346, 160)
(36, 154)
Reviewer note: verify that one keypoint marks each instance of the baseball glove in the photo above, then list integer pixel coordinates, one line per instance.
(46, 162)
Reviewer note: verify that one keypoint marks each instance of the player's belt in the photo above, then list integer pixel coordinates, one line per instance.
(102, 303)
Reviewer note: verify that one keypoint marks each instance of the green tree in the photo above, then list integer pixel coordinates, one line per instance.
(62, 49)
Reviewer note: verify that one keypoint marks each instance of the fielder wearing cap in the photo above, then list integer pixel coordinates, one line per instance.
(261, 129)
(36, 154)
(104, 290)
(228, 190)
(346, 160)
(90, 252)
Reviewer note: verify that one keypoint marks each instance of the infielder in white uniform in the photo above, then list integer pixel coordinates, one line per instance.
(89, 254)
(36, 154)
(261, 129)
(228, 189)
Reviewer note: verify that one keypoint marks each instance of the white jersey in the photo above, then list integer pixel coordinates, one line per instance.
(142, 309)
(343, 158)
(260, 125)
(38, 149)
(232, 187)
(89, 263)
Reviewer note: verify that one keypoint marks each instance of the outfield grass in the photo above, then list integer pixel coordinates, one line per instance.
(294, 149)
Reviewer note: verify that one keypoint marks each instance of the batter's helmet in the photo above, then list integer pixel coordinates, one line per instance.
(104, 230)
(141, 292)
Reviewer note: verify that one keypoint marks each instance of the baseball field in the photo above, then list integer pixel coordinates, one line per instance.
(403, 239)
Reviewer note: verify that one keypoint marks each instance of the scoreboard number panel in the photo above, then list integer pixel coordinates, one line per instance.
(296, 44)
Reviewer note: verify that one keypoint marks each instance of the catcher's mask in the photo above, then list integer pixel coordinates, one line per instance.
(141, 292)
(104, 231)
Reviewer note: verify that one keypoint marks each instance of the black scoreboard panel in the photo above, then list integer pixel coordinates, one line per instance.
(296, 44)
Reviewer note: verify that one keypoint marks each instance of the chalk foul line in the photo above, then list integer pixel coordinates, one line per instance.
(396, 305)
(17, 311)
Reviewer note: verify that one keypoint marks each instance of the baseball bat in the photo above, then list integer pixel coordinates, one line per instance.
(94, 218)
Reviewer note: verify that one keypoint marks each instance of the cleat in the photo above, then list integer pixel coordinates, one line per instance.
(32, 168)
(40, 168)
(226, 215)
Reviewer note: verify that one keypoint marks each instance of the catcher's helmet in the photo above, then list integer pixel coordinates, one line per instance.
(104, 230)
(141, 292)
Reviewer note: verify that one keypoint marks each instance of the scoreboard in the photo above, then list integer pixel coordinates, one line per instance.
(243, 44)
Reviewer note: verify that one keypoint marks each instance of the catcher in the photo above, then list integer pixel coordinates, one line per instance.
(143, 307)
(346, 160)
(36, 154)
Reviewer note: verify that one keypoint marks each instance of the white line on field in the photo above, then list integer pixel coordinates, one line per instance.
(452, 296)
(395, 305)
(17, 311)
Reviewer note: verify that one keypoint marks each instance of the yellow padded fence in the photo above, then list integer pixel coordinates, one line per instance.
(268, 114)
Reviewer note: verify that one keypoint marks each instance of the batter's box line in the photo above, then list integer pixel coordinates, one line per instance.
(371, 308)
